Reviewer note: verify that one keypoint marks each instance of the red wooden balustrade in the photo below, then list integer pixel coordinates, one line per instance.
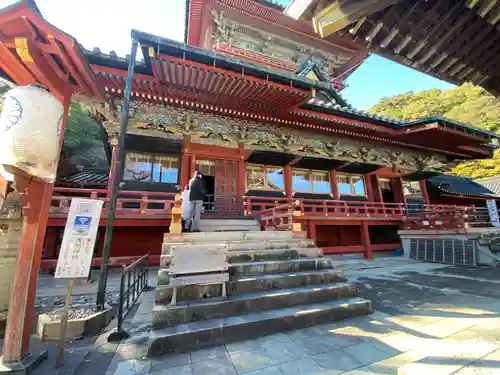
(128, 203)
(275, 212)
(278, 218)
(276, 215)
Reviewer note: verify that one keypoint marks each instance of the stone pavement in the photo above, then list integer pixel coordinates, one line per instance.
(420, 327)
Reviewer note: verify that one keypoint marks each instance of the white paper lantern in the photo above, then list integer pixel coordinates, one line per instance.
(30, 126)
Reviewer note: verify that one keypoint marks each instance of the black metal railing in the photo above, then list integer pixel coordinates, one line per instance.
(133, 281)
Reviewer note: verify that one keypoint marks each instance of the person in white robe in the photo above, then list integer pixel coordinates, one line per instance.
(185, 207)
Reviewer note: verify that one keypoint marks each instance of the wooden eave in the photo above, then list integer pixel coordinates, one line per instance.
(34, 51)
(192, 84)
(454, 41)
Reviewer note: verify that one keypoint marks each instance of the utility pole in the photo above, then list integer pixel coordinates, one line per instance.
(117, 179)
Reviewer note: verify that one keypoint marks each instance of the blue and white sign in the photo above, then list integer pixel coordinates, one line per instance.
(82, 223)
(77, 248)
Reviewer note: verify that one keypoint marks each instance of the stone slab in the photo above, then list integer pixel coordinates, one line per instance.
(221, 331)
(244, 285)
(225, 236)
(279, 243)
(264, 267)
(192, 311)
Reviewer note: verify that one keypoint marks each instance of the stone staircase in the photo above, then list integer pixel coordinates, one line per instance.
(229, 225)
(277, 283)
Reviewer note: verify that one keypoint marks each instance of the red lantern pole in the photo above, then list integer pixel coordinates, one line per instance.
(35, 199)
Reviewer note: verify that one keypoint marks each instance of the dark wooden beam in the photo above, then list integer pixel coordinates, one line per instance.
(414, 30)
(345, 12)
(468, 43)
(443, 40)
(399, 23)
(435, 29)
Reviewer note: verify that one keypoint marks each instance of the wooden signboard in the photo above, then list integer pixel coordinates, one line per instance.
(198, 264)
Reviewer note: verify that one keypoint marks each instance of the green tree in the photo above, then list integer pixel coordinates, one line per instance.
(467, 103)
(83, 143)
(82, 132)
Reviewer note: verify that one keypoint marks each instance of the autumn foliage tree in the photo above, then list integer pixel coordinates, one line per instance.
(467, 103)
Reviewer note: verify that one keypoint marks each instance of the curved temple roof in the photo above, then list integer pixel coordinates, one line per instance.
(333, 104)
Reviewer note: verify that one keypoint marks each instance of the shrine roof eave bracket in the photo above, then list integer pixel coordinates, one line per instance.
(33, 51)
(180, 50)
(399, 124)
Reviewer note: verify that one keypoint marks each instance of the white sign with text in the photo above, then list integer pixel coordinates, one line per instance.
(493, 212)
(77, 248)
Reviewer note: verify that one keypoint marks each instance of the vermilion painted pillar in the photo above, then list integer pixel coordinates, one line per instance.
(240, 179)
(185, 163)
(288, 181)
(312, 231)
(401, 187)
(365, 236)
(333, 185)
(114, 152)
(378, 189)
(369, 190)
(425, 193)
(192, 166)
(36, 198)
(51, 243)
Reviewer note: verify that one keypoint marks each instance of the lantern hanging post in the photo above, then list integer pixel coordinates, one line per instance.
(29, 112)
(117, 179)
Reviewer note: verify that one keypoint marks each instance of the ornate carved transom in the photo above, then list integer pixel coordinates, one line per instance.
(172, 122)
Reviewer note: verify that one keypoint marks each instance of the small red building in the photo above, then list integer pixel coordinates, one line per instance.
(252, 101)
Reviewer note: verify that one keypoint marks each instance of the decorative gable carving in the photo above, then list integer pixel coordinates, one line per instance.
(251, 39)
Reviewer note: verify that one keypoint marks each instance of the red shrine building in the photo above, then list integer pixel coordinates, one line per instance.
(251, 99)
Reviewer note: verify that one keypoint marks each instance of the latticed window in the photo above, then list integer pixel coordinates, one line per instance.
(265, 177)
(351, 185)
(321, 182)
(205, 167)
(384, 184)
(151, 168)
(304, 180)
(412, 189)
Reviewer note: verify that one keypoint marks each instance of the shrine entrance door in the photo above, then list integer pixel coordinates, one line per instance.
(220, 179)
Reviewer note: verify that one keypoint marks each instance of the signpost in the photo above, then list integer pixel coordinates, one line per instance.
(198, 264)
(75, 256)
(493, 212)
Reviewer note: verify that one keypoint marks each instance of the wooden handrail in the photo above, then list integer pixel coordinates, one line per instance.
(413, 215)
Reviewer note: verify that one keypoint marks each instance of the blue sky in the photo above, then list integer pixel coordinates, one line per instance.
(107, 23)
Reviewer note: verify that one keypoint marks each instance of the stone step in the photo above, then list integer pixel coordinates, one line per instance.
(278, 243)
(236, 256)
(225, 236)
(264, 267)
(273, 254)
(214, 332)
(278, 266)
(229, 222)
(214, 308)
(243, 285)
(228, 229)
(229, 225)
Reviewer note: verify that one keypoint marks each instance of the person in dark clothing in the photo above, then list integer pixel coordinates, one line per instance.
(197, 192)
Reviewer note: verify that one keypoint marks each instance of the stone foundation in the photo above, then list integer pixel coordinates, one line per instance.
(10, 235)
